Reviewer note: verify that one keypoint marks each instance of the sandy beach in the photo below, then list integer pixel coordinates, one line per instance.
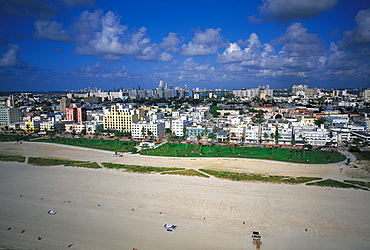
(112, 209)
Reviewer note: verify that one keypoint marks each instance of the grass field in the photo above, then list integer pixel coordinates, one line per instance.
(9, 137)
(40, 161)
(277, 154)
(359, 183)
(362, 155)
(137, 168)
(111, 145)
(335, 184)
(234, 176)
(187, 172)
(12, 158)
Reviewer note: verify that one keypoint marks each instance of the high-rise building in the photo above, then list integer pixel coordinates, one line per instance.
(299, 89)
(8, 115)
(64, 103)
(10, 102)
(76, 114)
(160, 86)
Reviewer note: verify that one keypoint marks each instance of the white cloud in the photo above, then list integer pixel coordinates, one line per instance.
(10, 58)
(103, 35)
(152, 53)
(203, 43)
(360, 35)
(255, 54)
(299, 43)
(287, 10)
(170, 42)
(51, 30)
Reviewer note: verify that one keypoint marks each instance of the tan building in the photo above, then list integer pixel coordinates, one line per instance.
(119, 118)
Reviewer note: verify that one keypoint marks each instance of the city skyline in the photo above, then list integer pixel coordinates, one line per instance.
(58, 45)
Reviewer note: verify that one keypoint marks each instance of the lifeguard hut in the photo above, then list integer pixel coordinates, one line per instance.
(256, 236)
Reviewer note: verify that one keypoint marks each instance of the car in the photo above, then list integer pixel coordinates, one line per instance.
(52, 212)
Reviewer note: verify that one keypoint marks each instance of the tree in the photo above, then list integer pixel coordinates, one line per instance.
(143, 132)
(276, 135)
(278, 116)
(319, 121)
(265, 135)
(83, 132)
(185, 133)
(149, 133)
(211, 136)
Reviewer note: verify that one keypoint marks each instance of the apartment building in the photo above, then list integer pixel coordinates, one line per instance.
(8, 115)
(120, 118)
(76, 114)
(151, 130)
(178, 125)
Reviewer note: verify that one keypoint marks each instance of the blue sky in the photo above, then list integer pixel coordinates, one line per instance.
(74, 44)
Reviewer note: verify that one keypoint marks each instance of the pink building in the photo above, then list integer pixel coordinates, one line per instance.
(76, 114)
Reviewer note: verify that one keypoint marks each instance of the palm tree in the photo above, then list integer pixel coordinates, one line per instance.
(265, 135)
(143, 132)
(277, 135)
(149, 133)
(185, 134)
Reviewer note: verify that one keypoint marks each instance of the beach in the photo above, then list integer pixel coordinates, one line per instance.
(112, 209)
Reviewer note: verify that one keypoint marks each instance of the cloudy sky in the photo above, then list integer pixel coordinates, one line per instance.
(74, 44)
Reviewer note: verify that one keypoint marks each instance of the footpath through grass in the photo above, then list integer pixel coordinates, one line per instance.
(276, 154)
(111, 145)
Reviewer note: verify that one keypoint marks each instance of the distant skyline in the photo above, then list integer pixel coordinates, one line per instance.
(233, 44)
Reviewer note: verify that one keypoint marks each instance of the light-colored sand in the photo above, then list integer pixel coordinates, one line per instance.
(210, 213)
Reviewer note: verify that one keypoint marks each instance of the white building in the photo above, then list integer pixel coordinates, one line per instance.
(8, 115)
(141, 129)
(251, 134)
(178, 125)
(318, 137)
(45, 126)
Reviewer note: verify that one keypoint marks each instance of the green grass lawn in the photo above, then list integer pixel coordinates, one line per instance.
(277, 154)
(111, 145)
(15, 137)
(40, 161)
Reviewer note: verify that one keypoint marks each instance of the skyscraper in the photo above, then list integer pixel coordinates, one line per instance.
(8, 115)
(160, 86)
(64, 103)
